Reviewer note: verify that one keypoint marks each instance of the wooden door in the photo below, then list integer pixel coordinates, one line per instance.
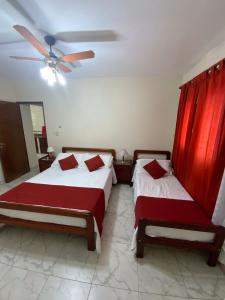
(13, 150)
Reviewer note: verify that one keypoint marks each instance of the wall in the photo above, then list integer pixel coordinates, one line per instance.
(7, 91)
(28, 134)
(209, 59)
(126, 113)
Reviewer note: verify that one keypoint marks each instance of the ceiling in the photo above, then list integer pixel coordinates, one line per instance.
(129, 37)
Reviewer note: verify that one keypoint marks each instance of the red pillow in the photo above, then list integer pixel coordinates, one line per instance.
(155, 170)
(94, 163)
(68, 163)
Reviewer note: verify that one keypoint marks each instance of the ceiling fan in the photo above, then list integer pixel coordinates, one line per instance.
(54, 64)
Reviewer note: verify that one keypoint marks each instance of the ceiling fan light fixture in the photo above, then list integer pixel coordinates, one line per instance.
(51, 75)
(61, 79)
(46, 72)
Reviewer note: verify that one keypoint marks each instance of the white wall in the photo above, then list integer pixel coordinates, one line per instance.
(7, 90)
(212, 57)
(28, 134)
(126, 113)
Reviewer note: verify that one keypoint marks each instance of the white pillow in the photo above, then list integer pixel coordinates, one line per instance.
(165, 164)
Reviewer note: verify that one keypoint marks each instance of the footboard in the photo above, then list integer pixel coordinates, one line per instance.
(213, 247)
(87, 231)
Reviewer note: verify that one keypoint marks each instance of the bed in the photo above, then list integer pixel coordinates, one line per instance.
(208, 237)
(42, 212)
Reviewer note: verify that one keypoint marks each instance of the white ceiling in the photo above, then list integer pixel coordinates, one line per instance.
(148, 37)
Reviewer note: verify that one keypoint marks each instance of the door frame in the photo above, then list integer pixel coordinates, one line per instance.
(37, 103)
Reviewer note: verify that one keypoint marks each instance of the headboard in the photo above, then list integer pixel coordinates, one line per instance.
(94, 150)
(137, 153)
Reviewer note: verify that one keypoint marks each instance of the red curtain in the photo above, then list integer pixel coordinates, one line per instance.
(199, 145)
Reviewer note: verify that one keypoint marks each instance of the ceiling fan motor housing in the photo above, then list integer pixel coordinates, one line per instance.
(50, 40)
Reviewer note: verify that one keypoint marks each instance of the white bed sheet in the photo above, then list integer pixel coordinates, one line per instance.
(165, 187)
(101, 178)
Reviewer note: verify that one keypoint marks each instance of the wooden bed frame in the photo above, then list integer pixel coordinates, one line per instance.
(213, 248)
(87, 232)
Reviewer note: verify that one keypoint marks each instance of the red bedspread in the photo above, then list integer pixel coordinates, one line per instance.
(169, 210)
(80, 198)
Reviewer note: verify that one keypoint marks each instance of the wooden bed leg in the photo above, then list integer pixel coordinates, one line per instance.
(213, 257)
(218, 242)
(140, 239)
(140, 249)
(91, 243)
(90, 233)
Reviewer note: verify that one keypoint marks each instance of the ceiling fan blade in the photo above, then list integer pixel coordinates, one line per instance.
(26, 58)
(31, 39)
(78, 56)
(64, 68)
(59, 52)
(87, 36)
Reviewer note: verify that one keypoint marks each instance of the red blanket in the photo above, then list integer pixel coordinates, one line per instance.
(169, 210)
(80, 198)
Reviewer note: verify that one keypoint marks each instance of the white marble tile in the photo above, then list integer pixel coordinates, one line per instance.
(116, 267)
(101, 292)
(160, 258)
(75, 261)
(41, 254)
(64, 289)
(220, 288)
(118, 228)
(205, 287)
(3, 188)
(121, 201)
(158, 272)
(20, 284)
(195, 263)
(145, 296)
(3, 270)
(11, 239)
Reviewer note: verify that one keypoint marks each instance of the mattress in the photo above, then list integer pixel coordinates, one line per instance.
(165, 187)
(78, 177)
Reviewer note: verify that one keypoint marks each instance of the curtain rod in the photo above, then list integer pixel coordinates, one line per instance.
(216, 65)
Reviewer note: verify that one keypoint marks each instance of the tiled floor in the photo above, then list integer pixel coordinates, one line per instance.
(43, 265)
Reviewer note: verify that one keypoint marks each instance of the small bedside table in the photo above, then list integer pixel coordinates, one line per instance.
(124, 171)
(45, 162)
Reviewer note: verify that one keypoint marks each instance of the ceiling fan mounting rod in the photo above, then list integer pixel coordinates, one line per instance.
(50, 40)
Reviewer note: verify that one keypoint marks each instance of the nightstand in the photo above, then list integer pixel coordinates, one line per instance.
(45, 162)
(124, 171)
